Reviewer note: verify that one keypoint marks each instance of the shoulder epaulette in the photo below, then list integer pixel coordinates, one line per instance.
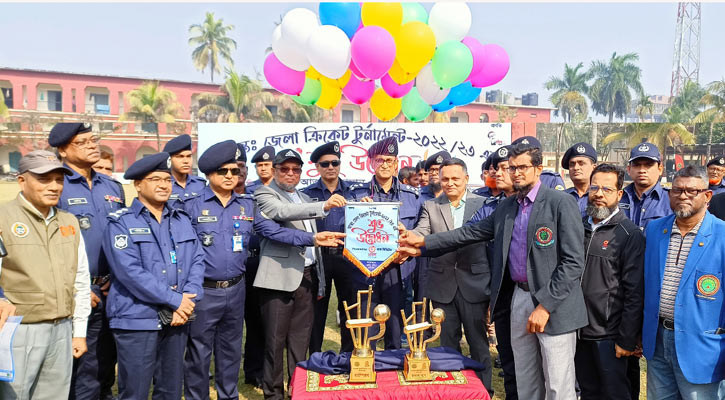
(117, 214)
(356, 186)
(410, 189)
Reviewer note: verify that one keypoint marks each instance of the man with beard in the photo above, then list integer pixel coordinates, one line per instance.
(433, 168)
(548, 178)
(580, 159)
(263, 166)
(541, 283)
(184, 185)
(715, 171)
(684, 263)
(613, 290)
(645, 199)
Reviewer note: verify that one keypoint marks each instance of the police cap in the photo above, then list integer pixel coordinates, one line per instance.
(64, 132)
(144, 166)
(178, 144)
(266, 153)
(327, 148)
(581, 149)
(217, 155)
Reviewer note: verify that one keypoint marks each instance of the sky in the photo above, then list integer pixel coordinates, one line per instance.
(149, 40)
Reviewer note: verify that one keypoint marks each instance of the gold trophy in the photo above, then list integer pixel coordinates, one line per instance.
(362, 361)
(417, 363)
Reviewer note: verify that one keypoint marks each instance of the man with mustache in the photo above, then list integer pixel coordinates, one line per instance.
(433, 168)
(580, 159)
(184, 184)
(645, 199)
(715, 171)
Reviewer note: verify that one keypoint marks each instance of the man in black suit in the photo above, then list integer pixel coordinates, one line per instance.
(538, 260)
(717, 206)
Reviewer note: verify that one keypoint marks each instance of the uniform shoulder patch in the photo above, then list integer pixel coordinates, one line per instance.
(120, 242)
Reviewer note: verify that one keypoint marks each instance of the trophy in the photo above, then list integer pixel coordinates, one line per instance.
(417, 363)
(362, 361)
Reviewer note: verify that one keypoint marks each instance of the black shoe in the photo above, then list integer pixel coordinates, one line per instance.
(256, 382)
(497, 362)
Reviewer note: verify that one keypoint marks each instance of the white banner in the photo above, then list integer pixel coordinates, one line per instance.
(470, 142)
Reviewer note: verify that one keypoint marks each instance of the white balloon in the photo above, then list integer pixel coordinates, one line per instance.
(428, 89)
(449, 21)
(293, 57)
(328, 50)
(297, 25)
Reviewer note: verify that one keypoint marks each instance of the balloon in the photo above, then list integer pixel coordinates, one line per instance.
(443, 106)
(393, 89)
(310, 93)
(312, 73)
(399, 76)
(384, 107)
(328, 50)
(414, 12)
(451, 64)
(463, 94)
(338, 83)
(296, 27)
(355, 71)
(428, 88)
(449, 21)
(292, 56)
(477, 51)
(329, 97)
(282, 78)
(386, 15)
(415, 44)
(358, 91)
(345, 16)
(414, 107)
(373, 51)
(495, 66)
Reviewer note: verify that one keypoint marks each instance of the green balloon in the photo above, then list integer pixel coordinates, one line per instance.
(414, 107)
(310, 93)
(452, 63)
(414, 12)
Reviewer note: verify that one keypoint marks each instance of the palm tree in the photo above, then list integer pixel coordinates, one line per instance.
(245, 99)
(715, 113)
(150, 103)
(687, 103)
(4, 112)
(614, 80)
(644, 107)
(570, 88)
(662, 135)
(211, 41)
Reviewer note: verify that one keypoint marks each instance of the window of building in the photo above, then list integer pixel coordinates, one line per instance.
(100, 102)
(8, 95)
(484, 117)
(55, 100)
(272, 109)
(454, 119)
(348, 116)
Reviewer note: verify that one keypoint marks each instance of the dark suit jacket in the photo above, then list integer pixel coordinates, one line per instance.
(465, 268)
(717, 206)
(553, 268)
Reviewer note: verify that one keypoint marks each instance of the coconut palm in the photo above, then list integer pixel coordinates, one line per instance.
(714, 100)
(614, 81)
(244, 99)
(644, 107)
(662, 135)
(211, 42)
(687, 103)
(151, 103)
(570, 90)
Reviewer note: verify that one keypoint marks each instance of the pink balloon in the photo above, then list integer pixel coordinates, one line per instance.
(495, 66)
(393, 89)
(356, 71)
(373, 51)
(478, 52)
(283, 78)
(358, 91)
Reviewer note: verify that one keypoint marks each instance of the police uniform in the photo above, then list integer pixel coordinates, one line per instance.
(484, 191)
(388, 286)
(581, 149)
(152, 264)
(94, 372)
(194, 184)
(547, 178)
(266, 153)
(224, 232)
(436, 159)
(720, 187)
(655, 202)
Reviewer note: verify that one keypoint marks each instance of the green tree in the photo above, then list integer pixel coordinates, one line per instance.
(244, 99)
(570, 89)
(686, 105)
(663, 135)
(644, 107)
(614, 82)
(4, 112)
(211, 42)
(150, 104)
(714, 101)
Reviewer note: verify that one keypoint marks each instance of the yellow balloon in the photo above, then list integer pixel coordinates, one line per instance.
(329, 97)
(312, 73)
(338, 83)
(400, 76)
(415, 45)
(386, 15)
(384, 107)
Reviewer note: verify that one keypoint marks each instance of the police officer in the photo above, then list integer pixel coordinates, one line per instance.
(223, 221)
(262, 160)
(241, 187)
(433, 168)
(580, 159)
(90, 196)
(547, 178)
(488, 179)
(184, 185)
(715, 171)
(422, 173)
(384, 187)
(645, 199)
(158, 268)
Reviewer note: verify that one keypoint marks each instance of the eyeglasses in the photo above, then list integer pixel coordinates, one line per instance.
(689, 192)
(390, 161)
(606, 190)
(156, 180)
(93, 140)
(286, 170)
(519, 168)
(326, 164)
(225, 171)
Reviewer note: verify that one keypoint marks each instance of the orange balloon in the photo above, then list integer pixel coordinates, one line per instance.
(400, 76)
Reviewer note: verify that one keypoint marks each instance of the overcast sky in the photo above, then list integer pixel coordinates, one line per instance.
(150, 40)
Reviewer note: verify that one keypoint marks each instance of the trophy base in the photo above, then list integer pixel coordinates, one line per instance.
(362, 369)
(416, 369)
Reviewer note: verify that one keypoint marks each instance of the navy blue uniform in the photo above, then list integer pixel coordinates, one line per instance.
(94, 373)
(254, 342)
(253, 185)
(194, 186)
(152, 265)
(388, 286)
(655, 203)
(425, 194)
(581, 201)
(552, 179)
(483, 191)
(718, 188)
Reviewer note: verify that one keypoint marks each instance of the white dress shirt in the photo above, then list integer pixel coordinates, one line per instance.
(309, 251)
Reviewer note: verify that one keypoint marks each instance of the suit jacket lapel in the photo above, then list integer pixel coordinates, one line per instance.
(512, 208)
(445, 210)
(472, 205)
(535, 211)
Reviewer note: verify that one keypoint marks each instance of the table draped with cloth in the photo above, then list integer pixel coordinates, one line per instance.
(324, 376)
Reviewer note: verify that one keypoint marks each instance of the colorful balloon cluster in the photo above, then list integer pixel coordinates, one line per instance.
(394, 55)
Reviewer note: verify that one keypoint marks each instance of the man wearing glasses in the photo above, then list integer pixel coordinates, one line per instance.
(90, 196)
(184, 184)
(433, 168)
(613, 290)
(715, 172)
(683, 332)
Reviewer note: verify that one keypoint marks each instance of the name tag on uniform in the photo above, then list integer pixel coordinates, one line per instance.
(624, 206)
(172, 255)
(206, 219)
(237, 244)
(77, 200)
(139, 231)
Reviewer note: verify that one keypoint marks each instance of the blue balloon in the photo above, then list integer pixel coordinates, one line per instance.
(463, 94)
(443, 106)
(345, 16)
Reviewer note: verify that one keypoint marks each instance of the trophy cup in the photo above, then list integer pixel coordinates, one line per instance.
(417, 363)
(362, 361)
